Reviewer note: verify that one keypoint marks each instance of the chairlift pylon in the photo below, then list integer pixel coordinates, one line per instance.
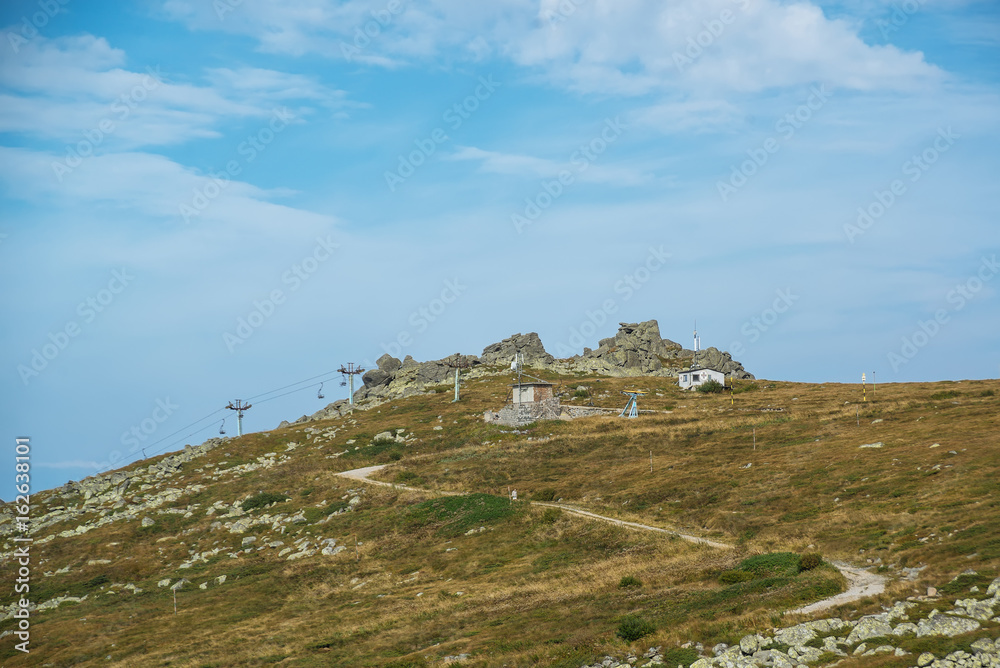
(319, 393)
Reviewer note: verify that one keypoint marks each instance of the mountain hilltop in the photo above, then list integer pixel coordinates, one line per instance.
(637, 349)
(712, 530)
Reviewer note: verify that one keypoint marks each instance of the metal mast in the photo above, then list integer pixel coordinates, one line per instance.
(457, 365)
(350, 371)
(240, 408)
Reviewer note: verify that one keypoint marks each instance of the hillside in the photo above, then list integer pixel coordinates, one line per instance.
(281, 561)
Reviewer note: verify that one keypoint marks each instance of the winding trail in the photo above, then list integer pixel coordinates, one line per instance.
(861, 583)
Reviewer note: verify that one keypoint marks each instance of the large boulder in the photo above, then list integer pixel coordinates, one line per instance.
(388, 363)
(870, 626)
(528, 345)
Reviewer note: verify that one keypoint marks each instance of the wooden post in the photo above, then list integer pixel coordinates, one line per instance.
(755, 438)
(175, 601)
(650, 461)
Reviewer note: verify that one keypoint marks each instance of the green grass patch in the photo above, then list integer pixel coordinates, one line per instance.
(261, 500)
(454, 515)
(631, 628)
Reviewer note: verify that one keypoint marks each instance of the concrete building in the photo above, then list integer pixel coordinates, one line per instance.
(525, 393)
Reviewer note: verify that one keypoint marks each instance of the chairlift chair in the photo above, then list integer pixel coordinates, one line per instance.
(319, 393)
(222, 427)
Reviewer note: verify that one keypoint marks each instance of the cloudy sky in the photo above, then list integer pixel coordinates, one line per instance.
(205, 201)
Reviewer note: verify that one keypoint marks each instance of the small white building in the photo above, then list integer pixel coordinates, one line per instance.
(691, 378)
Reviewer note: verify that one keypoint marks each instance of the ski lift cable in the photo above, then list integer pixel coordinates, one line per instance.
(283, 395)
(263, 394)
(212, 414)
(150, 452)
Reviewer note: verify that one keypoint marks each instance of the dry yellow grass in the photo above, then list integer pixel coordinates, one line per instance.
(538, 592)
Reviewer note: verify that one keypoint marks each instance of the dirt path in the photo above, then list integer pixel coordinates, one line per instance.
(860, 582)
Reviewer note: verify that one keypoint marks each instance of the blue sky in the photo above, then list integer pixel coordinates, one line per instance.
(814, 182)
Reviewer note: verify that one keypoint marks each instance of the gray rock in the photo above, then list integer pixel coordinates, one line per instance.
(388, 363)
(925, 659)
(983, 645)
(870, 626)
(528, 345)
(749, 644)
(148, 521)
(945, 625)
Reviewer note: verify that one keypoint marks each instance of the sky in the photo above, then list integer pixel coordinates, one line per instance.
(205, 201)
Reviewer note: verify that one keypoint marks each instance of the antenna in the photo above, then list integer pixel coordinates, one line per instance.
(350, 371)
(697, 339)
(516, 366)
(240, 408)
(457, 365)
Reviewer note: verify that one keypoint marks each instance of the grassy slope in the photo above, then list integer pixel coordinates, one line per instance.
(543, 588)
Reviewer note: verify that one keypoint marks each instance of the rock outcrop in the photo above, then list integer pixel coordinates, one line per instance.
(794, 646)
(529, 346)
(637, 349)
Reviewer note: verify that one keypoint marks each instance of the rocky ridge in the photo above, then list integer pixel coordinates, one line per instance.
(823, 641)
(637, 349)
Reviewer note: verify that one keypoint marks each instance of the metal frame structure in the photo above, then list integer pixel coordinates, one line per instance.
(240, 408)
(350, 371)
(631, 409)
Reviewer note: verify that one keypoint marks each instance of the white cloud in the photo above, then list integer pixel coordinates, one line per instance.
(147, 185)
(605, 46)
(62, 88)
(494, 162)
